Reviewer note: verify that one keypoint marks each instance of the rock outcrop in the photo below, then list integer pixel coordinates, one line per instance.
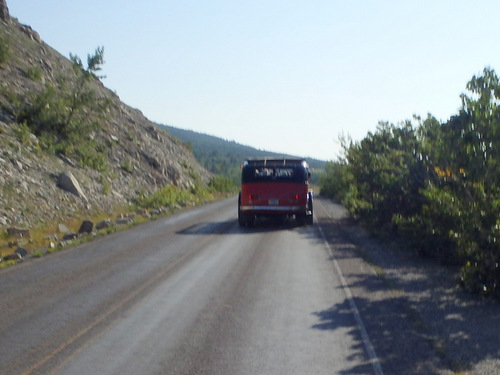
(68, 182)
(4, 11)
(140, 157)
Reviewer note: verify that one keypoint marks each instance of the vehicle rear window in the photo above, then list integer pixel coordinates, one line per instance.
(254, 173)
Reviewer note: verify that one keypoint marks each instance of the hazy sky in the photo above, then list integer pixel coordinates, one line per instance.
(285, 76)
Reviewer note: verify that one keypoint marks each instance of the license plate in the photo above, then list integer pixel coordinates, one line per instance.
(274, 202)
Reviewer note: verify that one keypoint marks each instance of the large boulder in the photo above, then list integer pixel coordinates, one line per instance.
(103, 224)
(68, 182)
(21, 252)
(18, 232)
(86, 227)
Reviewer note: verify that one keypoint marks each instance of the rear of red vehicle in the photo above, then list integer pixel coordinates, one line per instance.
(271, 187)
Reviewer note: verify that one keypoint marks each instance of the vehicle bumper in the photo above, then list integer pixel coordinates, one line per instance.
(273, 210)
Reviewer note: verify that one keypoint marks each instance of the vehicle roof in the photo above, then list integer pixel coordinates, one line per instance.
(271, 161)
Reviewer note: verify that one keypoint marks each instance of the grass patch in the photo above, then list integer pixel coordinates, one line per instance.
(167, 197)
(8, 263)
(37, 254)
(4, 49)
(46, 238)
(127, 166)
(34, 73)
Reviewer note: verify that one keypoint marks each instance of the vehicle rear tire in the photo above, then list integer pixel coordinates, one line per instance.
(241, 220)
(244, 220)
(309, 219)
(309, 216)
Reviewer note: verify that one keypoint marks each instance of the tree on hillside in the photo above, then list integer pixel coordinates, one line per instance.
(65, 114)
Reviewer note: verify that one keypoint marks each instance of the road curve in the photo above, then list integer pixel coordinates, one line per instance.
(187, 294)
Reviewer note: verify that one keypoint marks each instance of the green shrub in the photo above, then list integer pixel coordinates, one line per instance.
(436, 186)
(106, 185)
(67, 115)
(8, 263)
(23, 133)
(200, 192)
(167, 196)
(127, 166)
(37, 254)
(334, 182)
(221, 184)
(90, 156)
(34, 73)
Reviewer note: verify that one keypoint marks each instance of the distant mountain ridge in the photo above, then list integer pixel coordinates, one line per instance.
(224, 157)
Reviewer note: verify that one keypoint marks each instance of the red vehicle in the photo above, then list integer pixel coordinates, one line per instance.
(272, 186)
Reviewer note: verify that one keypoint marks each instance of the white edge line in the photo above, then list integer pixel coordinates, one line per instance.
(374, 360)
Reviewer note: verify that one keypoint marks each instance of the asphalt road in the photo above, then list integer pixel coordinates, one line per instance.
(191, 293)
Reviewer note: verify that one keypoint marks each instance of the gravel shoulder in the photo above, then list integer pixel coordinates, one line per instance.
(421, 322)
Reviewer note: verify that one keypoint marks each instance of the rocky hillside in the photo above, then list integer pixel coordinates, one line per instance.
(121, 157)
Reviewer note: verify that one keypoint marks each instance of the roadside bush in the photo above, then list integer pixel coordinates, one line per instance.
(435, 186)
(383, 176)
(221, 184)
(167, 196)
(200, 192)
(334, 182)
